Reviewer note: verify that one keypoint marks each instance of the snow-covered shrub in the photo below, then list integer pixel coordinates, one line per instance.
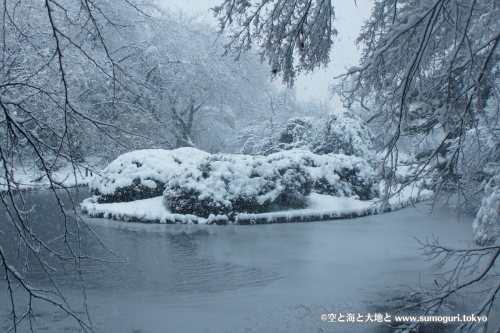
(228, 184)
(345, 134)
(340, 175)
(348, 184)
(141, 174)
(487, 223)
(231, 184)
(300, 132)
(341, 134)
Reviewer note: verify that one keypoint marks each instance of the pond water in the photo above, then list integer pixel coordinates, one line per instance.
(261, 278)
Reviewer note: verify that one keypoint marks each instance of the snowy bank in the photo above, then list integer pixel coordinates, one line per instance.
(320, 207)
(29, 177)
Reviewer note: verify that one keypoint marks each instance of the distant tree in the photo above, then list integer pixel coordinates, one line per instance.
(199, 95)
(338, 134)
(261, 133)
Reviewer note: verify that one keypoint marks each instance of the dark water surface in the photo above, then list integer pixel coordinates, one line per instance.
(262, 278)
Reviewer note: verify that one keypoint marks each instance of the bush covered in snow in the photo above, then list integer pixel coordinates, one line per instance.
(231, 184)
(340, 175)
(341, 134)
(345, 134)
(487, 222)
(226, 184)
(299, 132)
(141, 174)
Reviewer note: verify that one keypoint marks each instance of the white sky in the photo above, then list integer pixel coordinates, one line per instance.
(348, 22)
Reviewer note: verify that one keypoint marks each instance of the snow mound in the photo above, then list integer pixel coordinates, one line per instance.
(233, 184)
(150, 210)
(141, 174)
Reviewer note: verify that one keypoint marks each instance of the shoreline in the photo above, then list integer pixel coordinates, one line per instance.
(321, 208)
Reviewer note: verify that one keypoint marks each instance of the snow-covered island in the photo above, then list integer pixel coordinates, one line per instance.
(187, 185)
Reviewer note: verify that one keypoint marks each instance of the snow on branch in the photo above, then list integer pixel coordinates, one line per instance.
(283, 29)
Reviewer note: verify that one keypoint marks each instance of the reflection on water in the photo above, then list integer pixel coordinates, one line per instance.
(264, 278)
(148, 258)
